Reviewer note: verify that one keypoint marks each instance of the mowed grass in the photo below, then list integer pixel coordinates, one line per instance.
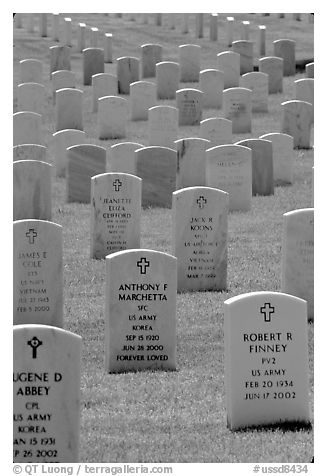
(174, 416)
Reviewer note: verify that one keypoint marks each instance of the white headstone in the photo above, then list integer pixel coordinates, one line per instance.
(167, 75)
(30, 152)
(112, 117)
(237, 108)
(309, 69)
(285, 49)
(258, 83)
(189, 60)
(151, 54)
(115, 213)
(217, 130)
(191, 154)
(283, 156)
(212, 85)
(200, 238)
(46, 391)
(108, 46)
(185, 17)
(272, 66)
(69, 109)
(62, 79)
(163, 125)
(298, 255)
(304, 90)
(81, 29)
(229, 27)
(59, 58)
(93, 63)
(262, 165)
(27, 127)
(94, 37)
(83, 162)
(199, 25)
(61, 141)
(140, 314)
(157, 167)
(297, 120)
(245, 50)
(43, 24)
(143, 96)
(127, 73)
(229, 63)
(266, 359)
(189, 104)
(31, 190)
(213, 27)
(38, 273)
(121, 157)
(31, 71)
(103, 84)
(229, 168)
(261, 41)
(55, 26)
(32, 97)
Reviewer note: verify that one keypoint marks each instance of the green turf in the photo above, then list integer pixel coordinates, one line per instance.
(175, 416)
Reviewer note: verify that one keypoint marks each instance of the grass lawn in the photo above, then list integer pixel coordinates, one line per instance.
(174, 416)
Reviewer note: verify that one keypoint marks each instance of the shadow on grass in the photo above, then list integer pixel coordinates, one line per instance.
(283, 427)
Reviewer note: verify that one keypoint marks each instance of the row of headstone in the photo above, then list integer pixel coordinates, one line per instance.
(266, 359)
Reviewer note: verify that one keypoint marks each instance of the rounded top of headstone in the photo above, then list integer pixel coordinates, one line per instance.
(265, 295)
(189, 45)
(308, 211)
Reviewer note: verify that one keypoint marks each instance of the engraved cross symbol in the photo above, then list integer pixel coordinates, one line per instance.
(201, 201)
(117, 184)
(34, 343)
(267, 311)
(143, 264)
(31, 234)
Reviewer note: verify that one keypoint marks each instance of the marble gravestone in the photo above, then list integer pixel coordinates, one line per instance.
(115, 213)
(297, 119)
(59, 58)
(200, 238)
(163, 125)
(285, 48)
(121, 157)
(61, 140)
(29, 152)
(309, 70)
(237, 107)
(31, 71)
(83, 161)
(245, 50)
(167, 76)
(266, 360)
(140, 312)
(112, 117)
(283, 156)
(151, 54)
(103, 84)
(189, 61)
(69, 109)
(62, 79)
(304, 90)
(46, 392)
(27, 127)
(189, 104)
(298, 256)
(229, 168)
(262, 165)
(127, 73)
(272, 66)
(229, 63)
(31, 190)
(81, 31)
(31, 97)
(212, 85)
(108, 53)
(229, 26)
(217, 130)
(191, 154)
(157, 167)
(37, 273)
(258, 83)
(143, 96)
(93, 63)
